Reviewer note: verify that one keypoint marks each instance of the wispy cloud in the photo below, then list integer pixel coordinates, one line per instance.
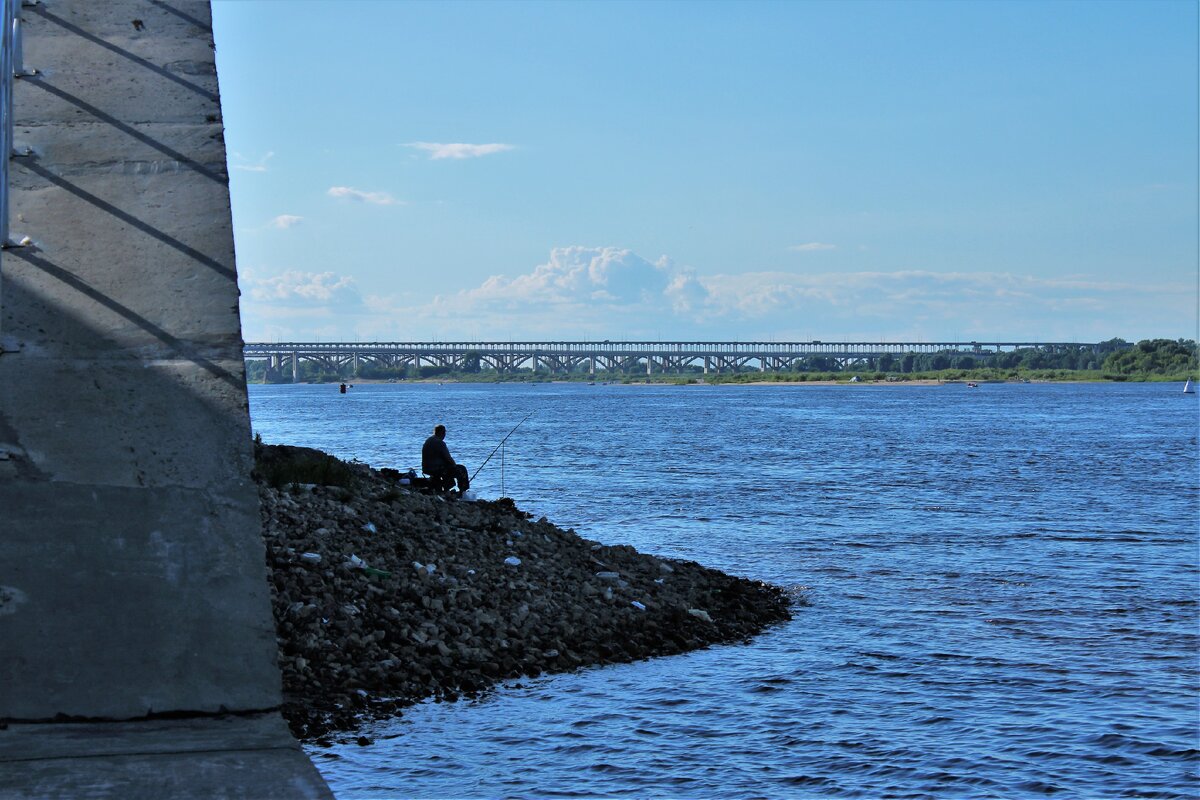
(285, 221)
(458, 150)
(360, 196)
(810, 247)
(256, 166)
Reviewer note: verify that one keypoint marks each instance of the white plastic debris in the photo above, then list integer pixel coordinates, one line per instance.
(597, 546)
(550, 654)
(430, 568)
(513, 561)
(700, 614)
(418, 566)
(355, 562)
(638, 605)
(370, 528)
(608, 593)
(509, 542)
(311, 558)
(608, 576)
(469, 496)
(470, 572)
(660, 580)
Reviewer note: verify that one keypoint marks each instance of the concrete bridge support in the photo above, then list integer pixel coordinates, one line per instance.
(133, 587)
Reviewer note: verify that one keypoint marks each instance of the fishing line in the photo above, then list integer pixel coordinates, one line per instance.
(497, 447)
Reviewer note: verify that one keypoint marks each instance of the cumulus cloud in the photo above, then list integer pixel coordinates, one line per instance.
(458, 150)
(360, 196)
(614, 293)
(285, 221)
(810, 247)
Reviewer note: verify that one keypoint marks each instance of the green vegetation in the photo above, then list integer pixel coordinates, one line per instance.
(1113, 360)
(279, 466)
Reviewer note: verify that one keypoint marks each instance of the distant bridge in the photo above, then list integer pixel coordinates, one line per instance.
(614, 356)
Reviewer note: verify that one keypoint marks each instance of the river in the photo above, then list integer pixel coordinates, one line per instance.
(996, 587)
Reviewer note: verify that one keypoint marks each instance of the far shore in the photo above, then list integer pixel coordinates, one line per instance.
(847, 383)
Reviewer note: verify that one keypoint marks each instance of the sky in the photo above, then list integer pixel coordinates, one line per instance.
(749, 171)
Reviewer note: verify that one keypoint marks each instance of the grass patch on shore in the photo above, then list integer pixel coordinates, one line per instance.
(279, 467)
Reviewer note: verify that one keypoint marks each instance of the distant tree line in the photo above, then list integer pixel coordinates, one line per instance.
(1115, 359)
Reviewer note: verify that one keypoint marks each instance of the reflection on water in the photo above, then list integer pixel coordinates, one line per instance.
(999, 586)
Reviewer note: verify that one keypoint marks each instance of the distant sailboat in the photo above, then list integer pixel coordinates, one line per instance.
(1188, 388)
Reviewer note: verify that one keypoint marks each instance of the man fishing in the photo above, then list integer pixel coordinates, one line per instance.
(439, 465)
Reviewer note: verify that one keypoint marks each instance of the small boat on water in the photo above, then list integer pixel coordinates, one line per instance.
(1188, 388)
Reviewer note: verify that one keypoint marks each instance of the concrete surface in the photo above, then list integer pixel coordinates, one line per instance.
(230, 757)
(133, 580)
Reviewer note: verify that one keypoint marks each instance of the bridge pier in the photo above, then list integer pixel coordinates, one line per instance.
(295, 367)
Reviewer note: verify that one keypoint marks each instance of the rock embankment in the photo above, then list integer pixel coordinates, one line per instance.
(385, 595)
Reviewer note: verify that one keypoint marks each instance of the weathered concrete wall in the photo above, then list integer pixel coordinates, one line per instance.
(132, 569)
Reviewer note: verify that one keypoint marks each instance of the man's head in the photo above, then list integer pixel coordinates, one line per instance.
(439, 431)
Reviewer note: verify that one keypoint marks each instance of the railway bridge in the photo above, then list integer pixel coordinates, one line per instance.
(566, 357)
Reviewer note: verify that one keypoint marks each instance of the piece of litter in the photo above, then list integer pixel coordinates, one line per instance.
(608, 576)
(638, 605)
(550, 654)
(470, 572)
(430, 568)
(311, 558)
(469, 496)
(377, 573)
(513, 561)
(370, 528)
(700, 614)
(517, 534)
(665, 567)
(597, 546)
(660, 580)
(508, 543)
(355, 562)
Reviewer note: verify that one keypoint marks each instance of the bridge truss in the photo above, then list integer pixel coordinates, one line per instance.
(617, 357)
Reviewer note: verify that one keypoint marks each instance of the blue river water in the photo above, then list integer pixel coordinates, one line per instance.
(996, 588)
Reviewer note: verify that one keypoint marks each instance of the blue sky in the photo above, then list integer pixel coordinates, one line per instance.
(774, 171)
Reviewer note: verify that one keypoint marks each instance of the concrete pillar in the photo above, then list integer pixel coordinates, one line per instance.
(592, 366)
(133, 578)
(706, 365)
(295, 367)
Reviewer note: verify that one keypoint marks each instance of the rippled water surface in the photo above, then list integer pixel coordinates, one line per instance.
(997, 588)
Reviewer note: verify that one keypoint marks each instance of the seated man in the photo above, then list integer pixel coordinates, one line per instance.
(437, 463)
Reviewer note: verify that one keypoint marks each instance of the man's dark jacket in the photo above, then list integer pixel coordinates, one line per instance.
(435, 457)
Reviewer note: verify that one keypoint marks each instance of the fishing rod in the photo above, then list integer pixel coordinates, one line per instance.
(497, 447)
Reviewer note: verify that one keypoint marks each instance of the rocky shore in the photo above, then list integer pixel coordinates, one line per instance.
(385, 595)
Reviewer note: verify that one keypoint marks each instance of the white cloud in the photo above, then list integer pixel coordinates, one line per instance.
(285, 221)
(257, 166)
(358, 195)
(458, 150)
(614, 293)
(810, 247)
(294, 288)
